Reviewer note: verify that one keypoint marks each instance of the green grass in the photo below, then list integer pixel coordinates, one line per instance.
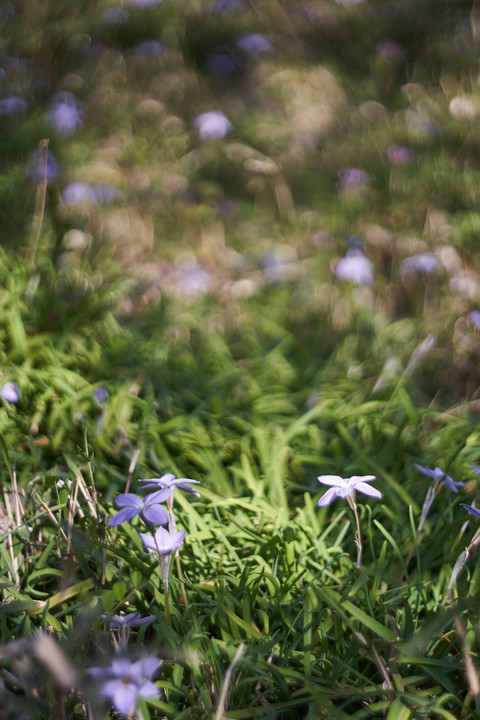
(204, 300)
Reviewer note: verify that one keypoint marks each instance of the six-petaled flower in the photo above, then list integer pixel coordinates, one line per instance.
(344, 487)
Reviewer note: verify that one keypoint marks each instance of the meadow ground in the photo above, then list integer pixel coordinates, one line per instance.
(239, 249)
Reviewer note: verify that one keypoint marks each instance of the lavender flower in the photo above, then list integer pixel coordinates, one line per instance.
(399, 155)
(170, 481)
(355, 267)
(101, 395)
(253, 44)
(114, 16)
(149, 48)
(41, 168)
(149, 508)
(390, 50)
(226, 6)
(212, 125)
(66, 114)
(79, 193)
(345, 487)
(12, 105)
(163, 542)
(426, 263)
(132, 620)
(124, 682)
(10, 392)
(475, 320)
(352, 178)
(440, 478)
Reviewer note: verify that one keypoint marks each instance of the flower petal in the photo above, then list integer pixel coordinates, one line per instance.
(155, 514)
(368, 490)
(329, 497)
(129, 500)
(335, 480)
(126, 514)
(159, 497)
(472, 510)
(148, 541)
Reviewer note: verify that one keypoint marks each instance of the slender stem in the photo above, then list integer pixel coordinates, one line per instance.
(167, 603)
(358, 537)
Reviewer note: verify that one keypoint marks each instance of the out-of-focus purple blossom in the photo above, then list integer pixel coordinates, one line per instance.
(150, 508)
(149, 48)
(66, 113)
(221, 64)
(440, 478)
(275, 265)
(253, 44)
(399, 155)
(10, 392)
(476, 468)
(107, 194)
(132, 620)
(123, 682)
(390, 50)
(355, 267)
(228, 6)
(212, 125)
(475, 320)
(143, 3)
(114, 16)
(101, 395)
(352, 178)
(170, 481)
(192, 280)
(39, 168)
(79, 193)
(12, 105)
(90, 50)
(471, 509)
(426, 263)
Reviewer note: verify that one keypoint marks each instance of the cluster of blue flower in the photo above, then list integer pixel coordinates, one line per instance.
(124, 681)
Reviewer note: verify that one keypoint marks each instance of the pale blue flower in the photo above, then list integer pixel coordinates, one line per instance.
(425, 263)
(343, 487)
(475, 319)
(212, 125)
(163, 542)
(150, 508)
(132, 620)
(253, 44)
(10, 392)
(355, 267)
(39, 169)
(440, 478)
(12, 105)
(123, 682)
(65, 113)
(79, 193)
(170, 481)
